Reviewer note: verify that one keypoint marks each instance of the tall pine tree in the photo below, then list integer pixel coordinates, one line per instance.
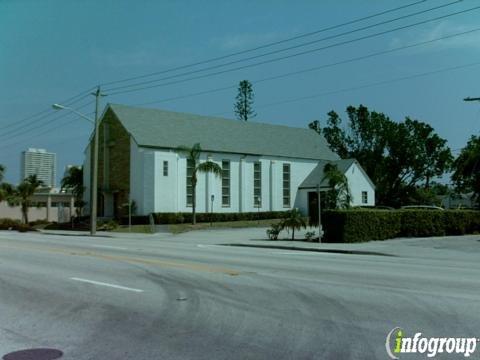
(244, 101)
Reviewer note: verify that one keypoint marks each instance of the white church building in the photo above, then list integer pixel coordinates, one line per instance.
(264, 167)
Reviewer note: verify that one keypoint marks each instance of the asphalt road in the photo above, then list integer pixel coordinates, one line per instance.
(186, 297)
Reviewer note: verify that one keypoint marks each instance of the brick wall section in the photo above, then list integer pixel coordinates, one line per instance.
(118, 158)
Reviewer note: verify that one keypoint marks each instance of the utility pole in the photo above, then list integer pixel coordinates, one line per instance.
(94, 182)
(319, 214)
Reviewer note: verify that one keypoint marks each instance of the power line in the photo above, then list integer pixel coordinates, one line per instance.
(296, 54)
(265, 45)
(48, 111)
(283, 49)
(275, 77)
(187, 95)
(378, 83)
(46, 131)
(16, 132)
(360, 87)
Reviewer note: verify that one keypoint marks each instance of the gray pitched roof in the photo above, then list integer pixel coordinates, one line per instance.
(317, 174)
(167, 129)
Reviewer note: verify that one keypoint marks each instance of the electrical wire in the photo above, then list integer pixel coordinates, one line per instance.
(333, 27)
(280, 50)
(25, 127)
(360, 87)
(316, 68)
(46, 131)
(296, 54)
(47, 112)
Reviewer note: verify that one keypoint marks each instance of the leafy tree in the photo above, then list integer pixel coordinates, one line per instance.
(338, 197)
(315, 126)
(466, 175)
(2, 172)
(440, 189)
(193, 157)
(415, 154)
(398, 157)
(244, 101)
(73, 181)
(293, 220)
(21, 195)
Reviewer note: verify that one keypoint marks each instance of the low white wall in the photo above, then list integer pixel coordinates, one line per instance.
(55, 214)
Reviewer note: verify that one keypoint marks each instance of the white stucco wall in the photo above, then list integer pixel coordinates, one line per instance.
(357, 183)
(154, 192)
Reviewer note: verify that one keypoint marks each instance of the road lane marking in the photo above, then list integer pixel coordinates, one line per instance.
(106, 284)
(108, 247)
(300, 252)
(134, 260)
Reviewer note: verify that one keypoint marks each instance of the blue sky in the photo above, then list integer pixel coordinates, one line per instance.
(51, 50)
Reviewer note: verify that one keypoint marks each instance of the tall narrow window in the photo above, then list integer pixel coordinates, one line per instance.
(257, 184)
(225, 183)
(364, 197)
(286, 185)
(165, 168)
(190, 167)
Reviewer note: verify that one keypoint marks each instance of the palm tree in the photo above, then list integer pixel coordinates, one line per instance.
(339, 194)
(294, 220)
(193, 157)
(22, 193)
(5, 190)
(73, 182)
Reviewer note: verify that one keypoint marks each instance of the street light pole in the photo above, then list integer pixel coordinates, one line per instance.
(94, 189)
(212, 198)
(94, 172)
(258, 209)
(319, 214)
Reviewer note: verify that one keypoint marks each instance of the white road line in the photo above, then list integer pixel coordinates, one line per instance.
(108, 247)
(106, 284)
(295, 253)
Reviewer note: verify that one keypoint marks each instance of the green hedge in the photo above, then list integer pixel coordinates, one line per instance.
(350, 226)
(9, 224)
(179, 218)
(360, 225)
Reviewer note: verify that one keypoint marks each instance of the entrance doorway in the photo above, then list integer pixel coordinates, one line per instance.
(313, 205)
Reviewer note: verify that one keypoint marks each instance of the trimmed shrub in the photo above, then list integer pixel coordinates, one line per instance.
(10, 224)
(7, 224)
(310, 236)
(460, 222)
(418, 223)
(274, 231)
(136, 220)
(364, 225)
(179, 218)
(360, 225)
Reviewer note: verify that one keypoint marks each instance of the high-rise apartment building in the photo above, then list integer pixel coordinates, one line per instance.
(41, 163)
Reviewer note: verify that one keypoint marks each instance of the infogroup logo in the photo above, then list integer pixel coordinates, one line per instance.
(397, 343)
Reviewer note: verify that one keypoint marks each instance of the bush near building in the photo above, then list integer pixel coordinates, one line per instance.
(180, 218)
(349, 226)
(17, 225)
